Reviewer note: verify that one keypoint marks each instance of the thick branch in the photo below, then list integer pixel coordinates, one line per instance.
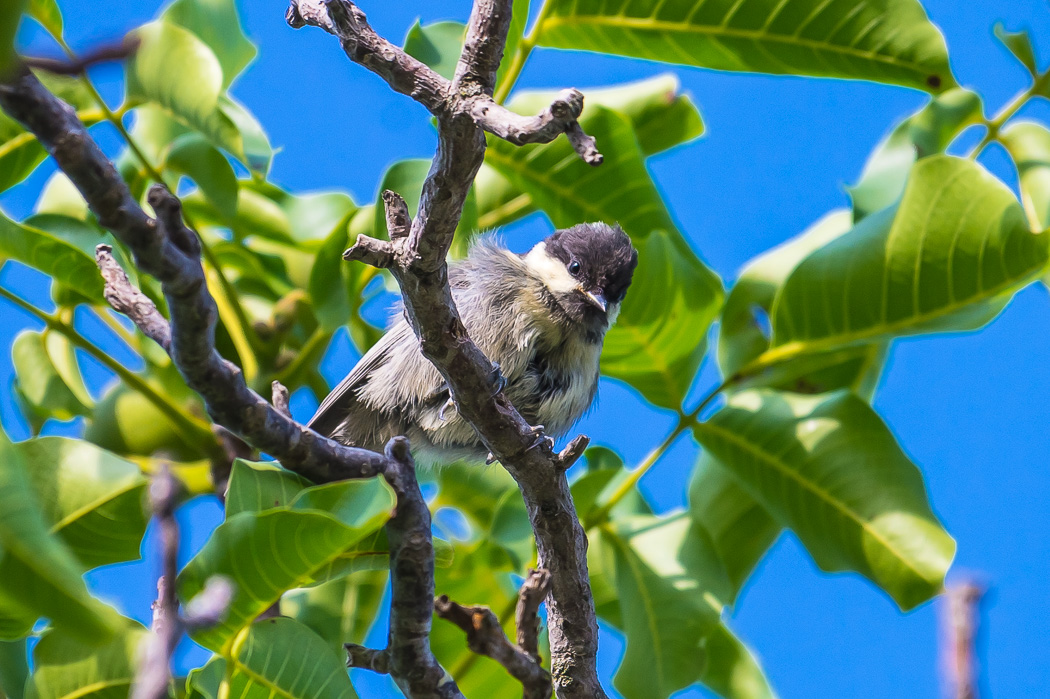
(419, 266)
(408, 655)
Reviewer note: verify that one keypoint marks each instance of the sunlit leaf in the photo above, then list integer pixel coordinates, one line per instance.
(886, 40)
(830, 470)
(40, 386)
(927, 132)
(519, 18)
(1020, 45)
(258, 486)
(948, 257)
(192, 155)
(731, 530)
(1028, 143)
(63, 257)
(438, 45)
(340, 611)
(215, 22)
(65, 668)
(39, 576)
(93, 500)
(127, 423)
(268, 553)
(274, 658)
(175, 70)
(48, 14)
(10, 16)
(744, 333)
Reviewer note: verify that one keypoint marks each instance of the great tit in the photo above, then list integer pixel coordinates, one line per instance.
(540, 317)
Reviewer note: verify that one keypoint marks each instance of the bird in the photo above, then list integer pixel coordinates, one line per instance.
(539, 317)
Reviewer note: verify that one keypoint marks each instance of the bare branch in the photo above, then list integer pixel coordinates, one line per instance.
(280, 398)
(78, 64)
(154, 675)
(367, 658)
(398, 220)
(531, 595)
(561, 117)
(962, 615)
(371, 251)
(126, 299)
(485, 637)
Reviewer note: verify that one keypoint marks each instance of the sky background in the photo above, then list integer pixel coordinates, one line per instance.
(971, 410)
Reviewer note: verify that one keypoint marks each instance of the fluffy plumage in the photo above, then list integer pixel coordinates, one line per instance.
(541, 316)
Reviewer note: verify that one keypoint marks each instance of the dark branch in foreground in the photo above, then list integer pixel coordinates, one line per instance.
(206, 609)
(485, 634)
(464, 111)
(167, 249)
(76, 65)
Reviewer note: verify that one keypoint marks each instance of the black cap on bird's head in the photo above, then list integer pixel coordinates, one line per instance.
(598, 262)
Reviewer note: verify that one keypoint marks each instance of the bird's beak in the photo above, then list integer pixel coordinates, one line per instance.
(597, 299)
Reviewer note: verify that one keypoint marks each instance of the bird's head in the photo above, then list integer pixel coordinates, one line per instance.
(587, 269)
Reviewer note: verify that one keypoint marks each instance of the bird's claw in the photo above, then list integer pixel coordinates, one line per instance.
(541, 438)
(448, 404)
(500, 379)
(490, 459)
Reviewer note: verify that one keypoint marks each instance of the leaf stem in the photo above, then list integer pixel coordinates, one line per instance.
(994, 126)
(190, 428)
(319, 337)
(685, 421)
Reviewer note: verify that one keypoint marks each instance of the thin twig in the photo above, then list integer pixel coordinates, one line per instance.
(75, 65)
(962, 617)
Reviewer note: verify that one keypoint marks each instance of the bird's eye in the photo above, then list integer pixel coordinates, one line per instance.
(574, 268)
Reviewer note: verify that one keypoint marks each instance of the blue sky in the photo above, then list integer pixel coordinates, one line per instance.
(971, 410)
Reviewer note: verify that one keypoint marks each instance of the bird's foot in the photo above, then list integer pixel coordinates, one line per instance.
(499, 378)
(541, 438)
(490, 459)
(448, 404)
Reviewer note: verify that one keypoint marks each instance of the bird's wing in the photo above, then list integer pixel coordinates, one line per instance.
(335, 408)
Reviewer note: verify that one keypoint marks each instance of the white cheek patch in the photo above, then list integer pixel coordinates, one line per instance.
(613, 313)
(550, 270)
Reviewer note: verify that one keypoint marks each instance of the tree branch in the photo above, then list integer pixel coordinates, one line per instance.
(485, 637)
(167, 249)
(470, 91)
(531, 595)
(418, 264)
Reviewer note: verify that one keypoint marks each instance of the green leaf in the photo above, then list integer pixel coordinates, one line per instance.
(829, 469)
(268, 553)
(192, 155)
(93, 500)
(60, 254)
(732, 671)
(1028, 143)
(48, 14)
(14, 668)
(257, 486)
(40, 385)
(888, 41)
(340, 611)
(743, 336)
(658, 340)
(38, 575)
(438, 45)
(126, 422)
(662, 608)
(215, 22)
(604, 476)
(10, 17)
(65, 668)
(927, 132)
(731, 530)
(948, 257)
(333, 282)
(1020, 45)
(275, 658)
(178, 72)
